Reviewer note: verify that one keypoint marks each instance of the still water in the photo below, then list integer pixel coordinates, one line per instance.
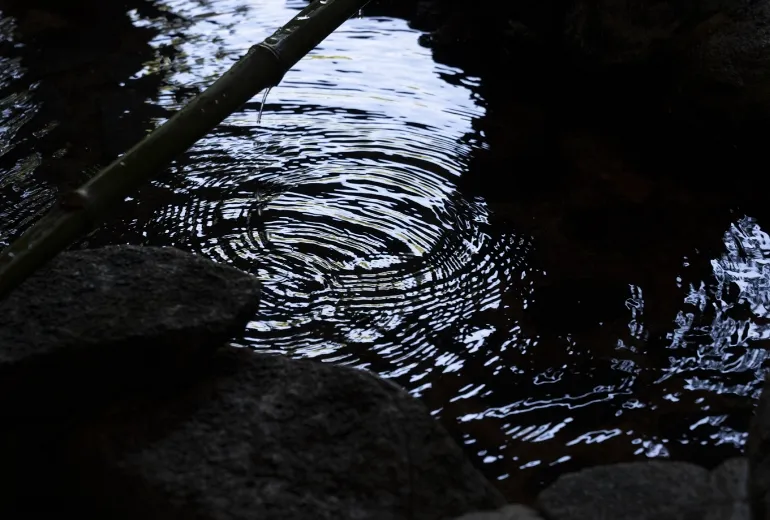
(343, 200)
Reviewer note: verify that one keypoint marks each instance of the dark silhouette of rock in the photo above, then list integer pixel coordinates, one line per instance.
(509, 512)
(272, 438)
(758, 453)
(95, 321)
(709, 59)
(658, 490)
(730, 482)
(119, 400)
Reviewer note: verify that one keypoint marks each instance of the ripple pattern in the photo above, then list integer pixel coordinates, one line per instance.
(343, 200)
(368, 254)
(22, 198)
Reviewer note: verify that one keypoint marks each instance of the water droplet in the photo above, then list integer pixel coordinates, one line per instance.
(122, 163)
(302, 18)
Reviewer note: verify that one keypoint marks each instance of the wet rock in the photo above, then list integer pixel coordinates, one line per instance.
(649, 490)
(96, 321)
(509, 512)
(268, 437)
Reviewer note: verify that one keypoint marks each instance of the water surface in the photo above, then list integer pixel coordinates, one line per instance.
(343, 200)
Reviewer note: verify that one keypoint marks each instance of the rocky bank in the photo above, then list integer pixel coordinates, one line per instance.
(122, 399)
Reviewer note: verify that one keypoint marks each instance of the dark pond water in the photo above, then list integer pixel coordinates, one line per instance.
(344, 201)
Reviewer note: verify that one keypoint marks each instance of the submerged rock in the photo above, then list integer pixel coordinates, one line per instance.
(272, 438)
(94, 321)
(659, 490)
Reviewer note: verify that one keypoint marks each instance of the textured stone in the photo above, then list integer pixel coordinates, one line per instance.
(729, 498)
(726, 62)
(758, 454)
(509, 512)
(273, 438)
(658, 490)
(96, 320)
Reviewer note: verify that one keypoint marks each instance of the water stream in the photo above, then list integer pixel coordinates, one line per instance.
(339, 191)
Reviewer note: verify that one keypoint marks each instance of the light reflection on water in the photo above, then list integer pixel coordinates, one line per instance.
(344, 202)
(21, 196)
(724, 319)
(343, 199)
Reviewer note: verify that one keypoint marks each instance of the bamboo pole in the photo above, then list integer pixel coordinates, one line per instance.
(82, 209)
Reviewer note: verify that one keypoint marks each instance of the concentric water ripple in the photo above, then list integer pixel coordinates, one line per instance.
(343, 201)
(363, 249)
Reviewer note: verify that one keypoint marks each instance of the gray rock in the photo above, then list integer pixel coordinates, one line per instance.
(729, 498)
(97, 320)
(509, 512)
(658, 490)
(273, 438)
(758, 454)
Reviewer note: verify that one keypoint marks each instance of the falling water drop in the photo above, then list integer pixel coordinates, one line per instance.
(262, 105)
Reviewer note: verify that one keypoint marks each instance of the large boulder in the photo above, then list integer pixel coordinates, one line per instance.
(96, 325)
(659, 490)
(119, 399)
(94, 321)
(272, 438)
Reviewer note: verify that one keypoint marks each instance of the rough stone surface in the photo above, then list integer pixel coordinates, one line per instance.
(509, 512)
(92, 317)
(268, 438)
(726, 62)
(644, 490)
(758, 453)
(729, 499)
(712, 58)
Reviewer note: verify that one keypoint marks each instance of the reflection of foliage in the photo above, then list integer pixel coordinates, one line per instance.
(720, 333)
(191, 26)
